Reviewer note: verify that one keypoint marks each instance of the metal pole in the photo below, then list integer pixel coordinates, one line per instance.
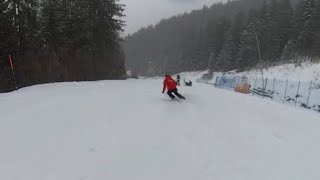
(224, 83)
(285, 92)
(237, 81)
(274, 83)
(260, 57)
(13, 73)
(215, 84)
(255, 82)
(295, 103)
(258, 45)
(309, 93)
(15, 81)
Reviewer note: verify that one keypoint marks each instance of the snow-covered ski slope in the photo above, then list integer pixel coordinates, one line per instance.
(120, 130)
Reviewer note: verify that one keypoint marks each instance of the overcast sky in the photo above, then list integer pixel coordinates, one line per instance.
(141, 13)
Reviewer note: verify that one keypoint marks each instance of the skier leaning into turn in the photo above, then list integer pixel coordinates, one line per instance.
(171, 85)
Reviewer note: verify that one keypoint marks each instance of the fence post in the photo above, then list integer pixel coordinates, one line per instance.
(223, 82)
(295, 103)
(237, 79)
(265, 86)
(274, 83)
(309, 93)
(285, 92)
(215, 84)
(255, 82)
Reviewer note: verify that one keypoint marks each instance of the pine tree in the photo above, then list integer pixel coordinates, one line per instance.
(103, 32)
(285, 22)
(24, 15)
(52, 29)
(305, 38)
(217, 34)
(22, 36)
(229, 53)
(316, 25)
(275, 44)
(248, 54)
(289, 51)
(6, 35)
(6, 28)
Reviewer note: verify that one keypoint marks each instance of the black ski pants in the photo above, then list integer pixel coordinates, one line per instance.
(175, 92)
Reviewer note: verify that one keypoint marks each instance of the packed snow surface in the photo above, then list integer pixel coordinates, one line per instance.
(120, 130)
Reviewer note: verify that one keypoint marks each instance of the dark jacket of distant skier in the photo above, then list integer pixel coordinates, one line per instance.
(171, 85)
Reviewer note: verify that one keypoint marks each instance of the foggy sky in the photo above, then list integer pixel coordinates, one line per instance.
(141, 13)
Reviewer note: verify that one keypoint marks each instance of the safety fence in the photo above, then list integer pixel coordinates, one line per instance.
(296, 93)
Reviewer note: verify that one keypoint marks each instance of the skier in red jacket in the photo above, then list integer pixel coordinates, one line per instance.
(171, 85)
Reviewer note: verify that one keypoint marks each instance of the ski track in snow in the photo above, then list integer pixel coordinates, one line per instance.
(122, 130)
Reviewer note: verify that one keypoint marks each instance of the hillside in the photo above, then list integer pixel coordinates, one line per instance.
(228, 36)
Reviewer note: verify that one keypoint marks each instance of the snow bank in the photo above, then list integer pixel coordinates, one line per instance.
(305, 72)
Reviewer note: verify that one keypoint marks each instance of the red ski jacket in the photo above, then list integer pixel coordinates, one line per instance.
(169, 84)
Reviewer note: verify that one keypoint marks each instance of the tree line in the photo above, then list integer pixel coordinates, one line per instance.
(60, 40)
(240, 34)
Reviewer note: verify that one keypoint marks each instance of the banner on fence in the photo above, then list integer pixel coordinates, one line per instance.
(242, 88)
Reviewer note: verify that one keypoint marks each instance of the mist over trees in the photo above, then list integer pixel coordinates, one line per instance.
(60, 40)
(225, 37)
